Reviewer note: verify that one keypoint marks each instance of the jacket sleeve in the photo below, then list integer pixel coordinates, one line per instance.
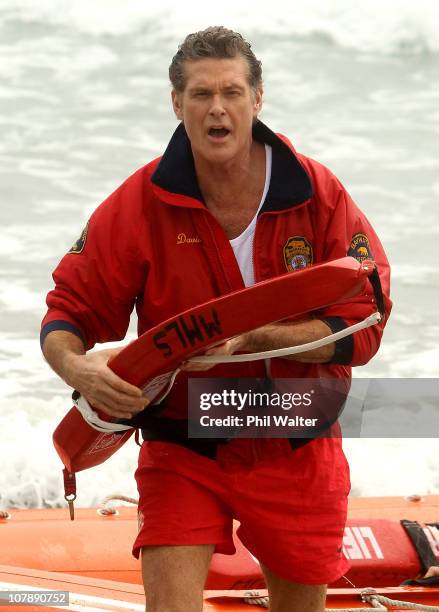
(347, 231)
(98, 280)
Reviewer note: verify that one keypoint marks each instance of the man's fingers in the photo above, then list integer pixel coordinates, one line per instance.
(118, 394)
(195, 367)
(105, 390)
(91, 371)
(98, 361)
(115, 413)
(121, 385)
(111, 394)
(114, 400)
(120, 401)
(226, 348)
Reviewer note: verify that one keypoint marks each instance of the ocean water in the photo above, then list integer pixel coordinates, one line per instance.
(84, 101)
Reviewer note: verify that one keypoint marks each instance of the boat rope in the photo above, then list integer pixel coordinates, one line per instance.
(106, 509)
(254, 599)
(395, 603)
(377, 601)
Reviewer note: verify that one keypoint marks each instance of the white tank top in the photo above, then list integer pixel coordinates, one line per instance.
(242, 245)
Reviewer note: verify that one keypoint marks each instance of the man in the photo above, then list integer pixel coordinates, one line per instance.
(250, 208)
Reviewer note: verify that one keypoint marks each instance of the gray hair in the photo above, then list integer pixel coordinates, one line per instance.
(216, 42)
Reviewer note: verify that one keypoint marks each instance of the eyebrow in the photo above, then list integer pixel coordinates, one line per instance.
(206, 88)
(234, 86)
(198, 88)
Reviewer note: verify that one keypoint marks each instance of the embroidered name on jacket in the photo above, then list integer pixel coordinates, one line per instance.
(298, 253)
(183, 239)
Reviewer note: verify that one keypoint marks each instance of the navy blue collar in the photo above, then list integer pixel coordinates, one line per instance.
(290, 184)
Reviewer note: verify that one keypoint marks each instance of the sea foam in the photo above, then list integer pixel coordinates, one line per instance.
(390, 26)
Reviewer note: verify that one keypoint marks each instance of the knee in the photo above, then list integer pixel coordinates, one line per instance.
(295, 597)
(161, 599)
(174, 577)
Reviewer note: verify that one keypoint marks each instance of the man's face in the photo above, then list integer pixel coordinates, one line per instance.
(218, 107)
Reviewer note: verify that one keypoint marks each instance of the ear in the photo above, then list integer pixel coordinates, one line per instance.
(257, 105)
(177, 104)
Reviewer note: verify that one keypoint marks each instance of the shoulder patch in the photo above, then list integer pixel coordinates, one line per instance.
(359, 248)
(298, 253)
(79, 245)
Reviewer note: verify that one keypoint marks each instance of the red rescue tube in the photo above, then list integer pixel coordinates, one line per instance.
(165, 346)
(162, 348)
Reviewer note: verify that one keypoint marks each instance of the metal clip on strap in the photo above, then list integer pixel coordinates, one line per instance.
(69, 490)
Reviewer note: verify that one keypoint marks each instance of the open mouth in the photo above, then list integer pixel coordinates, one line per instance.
(219, 132)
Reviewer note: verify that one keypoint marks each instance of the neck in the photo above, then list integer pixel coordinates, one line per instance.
(220, 183)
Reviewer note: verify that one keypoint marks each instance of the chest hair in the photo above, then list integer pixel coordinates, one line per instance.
(236, 217)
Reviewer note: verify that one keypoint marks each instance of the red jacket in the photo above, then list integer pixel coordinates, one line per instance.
(154, 245)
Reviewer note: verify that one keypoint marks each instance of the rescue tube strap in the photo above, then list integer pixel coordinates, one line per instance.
(375, 281)
(69, 483)
(93, 418)
(373, 319)
(422, 546)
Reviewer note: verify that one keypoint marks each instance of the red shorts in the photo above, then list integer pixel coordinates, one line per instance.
(291, 504)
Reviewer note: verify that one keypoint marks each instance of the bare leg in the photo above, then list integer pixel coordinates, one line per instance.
(174, 577)
(286, 596)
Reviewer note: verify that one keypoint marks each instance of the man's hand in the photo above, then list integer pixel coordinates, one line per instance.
(229, 347)
(275, 336)
(102, 388)
(90, 375)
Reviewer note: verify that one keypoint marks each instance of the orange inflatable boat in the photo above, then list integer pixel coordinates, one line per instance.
(95, 595)
(387, 540)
